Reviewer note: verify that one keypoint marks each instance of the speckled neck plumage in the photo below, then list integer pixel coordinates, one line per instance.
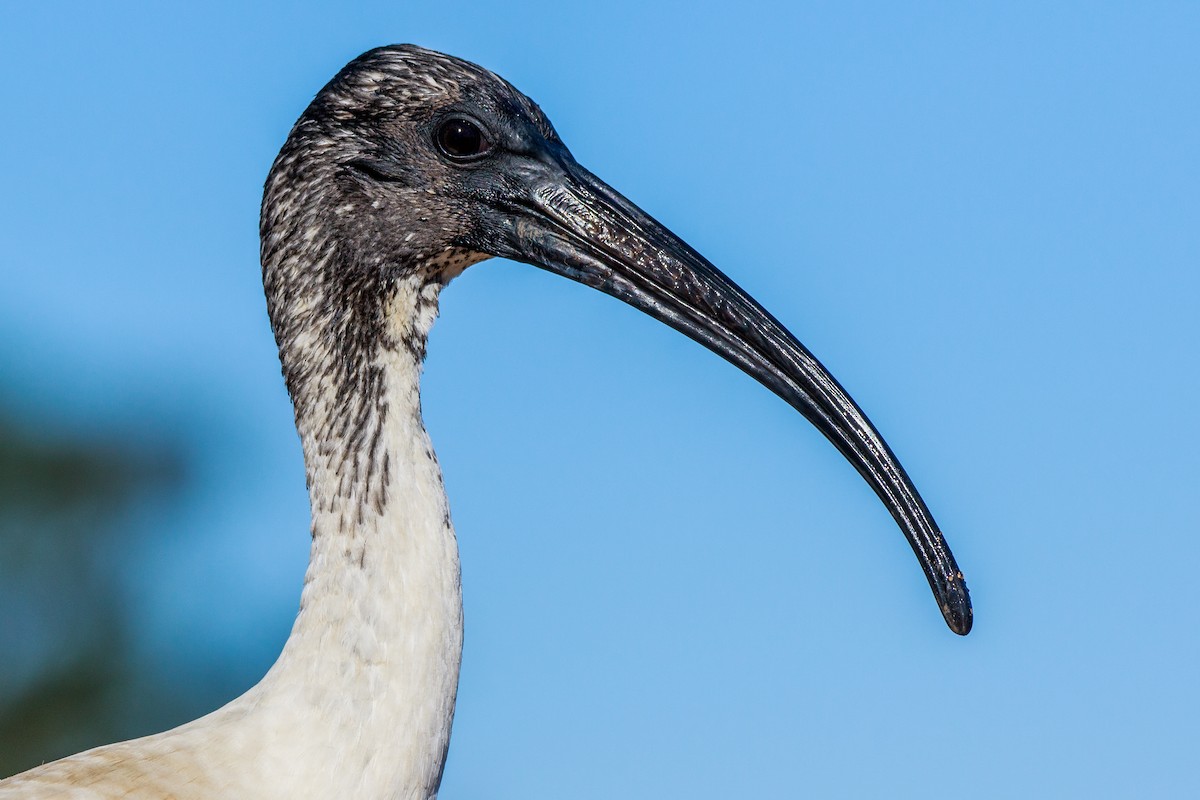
(384, 571)
(376, 647)
(359, 331)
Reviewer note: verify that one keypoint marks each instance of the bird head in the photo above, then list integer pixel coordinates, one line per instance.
(411, 164)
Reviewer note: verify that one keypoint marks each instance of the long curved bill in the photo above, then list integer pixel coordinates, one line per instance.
(570, 222)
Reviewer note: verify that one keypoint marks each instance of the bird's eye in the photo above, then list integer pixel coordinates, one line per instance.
(461, 139)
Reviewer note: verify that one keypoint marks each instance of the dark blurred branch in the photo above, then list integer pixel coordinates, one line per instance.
(67, 678)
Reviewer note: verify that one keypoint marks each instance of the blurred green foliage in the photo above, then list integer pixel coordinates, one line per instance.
(69, 674)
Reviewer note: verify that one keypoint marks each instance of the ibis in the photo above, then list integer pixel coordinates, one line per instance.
(408, 167)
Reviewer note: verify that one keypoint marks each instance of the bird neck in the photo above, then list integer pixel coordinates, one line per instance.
(370, 671)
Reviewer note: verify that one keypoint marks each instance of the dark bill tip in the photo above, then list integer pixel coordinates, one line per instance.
(956, 607)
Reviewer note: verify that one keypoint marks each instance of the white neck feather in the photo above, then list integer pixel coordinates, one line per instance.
(368, 677)
(360, 702)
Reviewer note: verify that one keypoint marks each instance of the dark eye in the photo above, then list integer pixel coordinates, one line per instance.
(461, 139)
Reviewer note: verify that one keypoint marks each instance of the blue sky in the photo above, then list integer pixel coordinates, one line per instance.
(984, 221)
